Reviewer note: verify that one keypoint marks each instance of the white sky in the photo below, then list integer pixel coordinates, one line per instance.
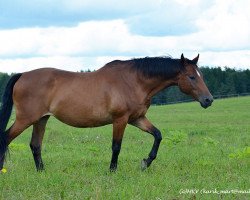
(78, 35)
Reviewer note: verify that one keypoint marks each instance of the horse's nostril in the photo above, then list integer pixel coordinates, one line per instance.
(207, 100)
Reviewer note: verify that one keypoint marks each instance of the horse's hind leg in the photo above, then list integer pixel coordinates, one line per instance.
(16, 129)
(36, 141)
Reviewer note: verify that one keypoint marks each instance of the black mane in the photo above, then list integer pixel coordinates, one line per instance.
(161, 67)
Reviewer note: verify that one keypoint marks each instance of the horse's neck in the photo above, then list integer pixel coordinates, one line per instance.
(155, 85)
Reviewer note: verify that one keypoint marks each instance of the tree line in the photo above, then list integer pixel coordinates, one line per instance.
(219, 81)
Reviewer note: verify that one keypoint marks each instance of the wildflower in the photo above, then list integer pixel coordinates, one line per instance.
(3, 170)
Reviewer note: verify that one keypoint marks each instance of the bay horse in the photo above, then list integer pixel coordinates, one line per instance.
(118, 93)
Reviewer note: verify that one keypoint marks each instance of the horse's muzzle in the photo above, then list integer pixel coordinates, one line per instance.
(206, 101)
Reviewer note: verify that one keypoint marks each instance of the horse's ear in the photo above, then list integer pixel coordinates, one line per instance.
(195, 60)
(183, 61)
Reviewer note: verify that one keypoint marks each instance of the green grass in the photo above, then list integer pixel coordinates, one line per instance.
(201, 149)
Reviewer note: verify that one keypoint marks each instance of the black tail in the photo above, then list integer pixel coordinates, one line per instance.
(5, 112)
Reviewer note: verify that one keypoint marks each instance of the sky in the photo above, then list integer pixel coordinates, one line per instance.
(85, 34)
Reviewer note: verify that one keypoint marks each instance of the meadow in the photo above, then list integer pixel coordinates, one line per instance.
(204, 154)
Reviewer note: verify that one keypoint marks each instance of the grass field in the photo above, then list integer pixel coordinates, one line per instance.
(204, 150)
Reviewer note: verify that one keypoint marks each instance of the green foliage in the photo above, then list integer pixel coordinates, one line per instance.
(242, 153)
(210, 141)
(176, 137)
(201, 149)
(18, 146)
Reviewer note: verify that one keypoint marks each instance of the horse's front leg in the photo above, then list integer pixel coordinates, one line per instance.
(119, 126)
(144, 124)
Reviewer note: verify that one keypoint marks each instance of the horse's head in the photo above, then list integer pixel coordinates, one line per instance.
(190, 81)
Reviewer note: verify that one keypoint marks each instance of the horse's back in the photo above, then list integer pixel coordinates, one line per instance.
(78, 99)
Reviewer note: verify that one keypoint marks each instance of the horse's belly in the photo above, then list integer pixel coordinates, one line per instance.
(84, 119)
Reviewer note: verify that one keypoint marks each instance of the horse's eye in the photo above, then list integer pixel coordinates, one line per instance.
(192, 77)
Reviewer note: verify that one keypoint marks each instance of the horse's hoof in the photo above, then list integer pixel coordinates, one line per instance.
(113, 167)
(144, 164)
(112, 170)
